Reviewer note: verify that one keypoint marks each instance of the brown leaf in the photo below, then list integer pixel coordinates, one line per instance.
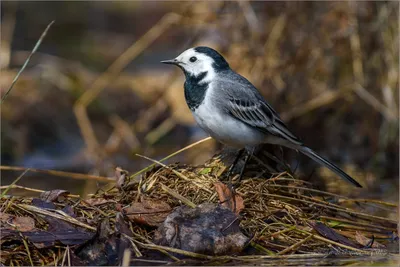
(365, 241)
(22, 224)
(331, 234)
(235, 203)
(4, 217)
(19, 223)
(150, 212)
(98, 201)
(56, 195)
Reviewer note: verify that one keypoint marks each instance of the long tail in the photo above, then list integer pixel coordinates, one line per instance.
(310, 153)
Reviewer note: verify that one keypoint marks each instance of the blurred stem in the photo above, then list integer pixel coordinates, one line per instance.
(7, 30)
(35, 48)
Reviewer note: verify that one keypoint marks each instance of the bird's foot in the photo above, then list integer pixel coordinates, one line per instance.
(232, 185)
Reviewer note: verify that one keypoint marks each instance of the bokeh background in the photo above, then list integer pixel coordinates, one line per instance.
(95, 93)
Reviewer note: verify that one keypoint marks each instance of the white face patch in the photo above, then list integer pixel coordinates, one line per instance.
(196, 63)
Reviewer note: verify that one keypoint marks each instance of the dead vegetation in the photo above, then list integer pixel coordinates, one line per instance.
(282, 218)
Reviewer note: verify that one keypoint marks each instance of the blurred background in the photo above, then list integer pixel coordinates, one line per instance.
(95, 93)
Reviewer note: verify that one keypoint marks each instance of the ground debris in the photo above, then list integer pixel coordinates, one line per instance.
(368, 242)
(148, 211)
(22, 224)
(101, 249)
(209, 229)
(54, 195)
(56, 232)
(228, 198)
(275, 218)
(331, 234)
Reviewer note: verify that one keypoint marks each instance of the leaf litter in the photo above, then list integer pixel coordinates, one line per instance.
(179, 213)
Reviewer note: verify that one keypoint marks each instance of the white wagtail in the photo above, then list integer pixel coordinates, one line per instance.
(231, 110)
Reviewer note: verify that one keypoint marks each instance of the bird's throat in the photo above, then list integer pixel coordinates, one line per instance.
(195, 89)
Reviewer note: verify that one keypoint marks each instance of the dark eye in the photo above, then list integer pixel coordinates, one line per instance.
(193, 59)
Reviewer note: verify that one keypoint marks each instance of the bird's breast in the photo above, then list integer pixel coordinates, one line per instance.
(224, 128)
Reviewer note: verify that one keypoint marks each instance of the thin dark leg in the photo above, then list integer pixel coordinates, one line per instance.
(246, 159)
(249, 154)
(230, 184)
(229, 173)
(232, 187)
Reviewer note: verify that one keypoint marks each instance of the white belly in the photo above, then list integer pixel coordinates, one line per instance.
(226, 129)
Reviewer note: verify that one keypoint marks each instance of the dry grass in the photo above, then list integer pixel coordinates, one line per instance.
(279, 216)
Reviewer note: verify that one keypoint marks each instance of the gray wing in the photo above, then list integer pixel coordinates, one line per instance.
(246, 104)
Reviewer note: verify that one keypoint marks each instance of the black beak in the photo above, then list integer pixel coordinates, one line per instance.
(171, 61)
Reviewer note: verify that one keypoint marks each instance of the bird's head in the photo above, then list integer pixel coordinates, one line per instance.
(198, 60)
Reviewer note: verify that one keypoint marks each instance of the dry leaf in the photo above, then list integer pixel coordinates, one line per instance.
(120, 176)
(69, 210)
(19, 223)
(150, 212)
(37, 202)
(98, 201)
(23, 224)
(56, 195)
(52, 237)
(234, 203)
(4, 217)
(365, 241)
(331, 234)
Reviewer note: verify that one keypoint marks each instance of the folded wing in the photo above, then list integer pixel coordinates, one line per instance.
(258, 114)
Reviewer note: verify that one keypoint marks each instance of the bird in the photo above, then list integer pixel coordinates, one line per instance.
(230, 108)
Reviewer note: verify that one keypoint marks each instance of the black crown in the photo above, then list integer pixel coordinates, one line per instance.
(219, 61)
